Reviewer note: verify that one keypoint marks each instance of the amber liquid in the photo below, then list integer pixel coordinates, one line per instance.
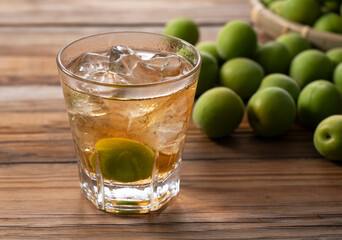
(160, 123)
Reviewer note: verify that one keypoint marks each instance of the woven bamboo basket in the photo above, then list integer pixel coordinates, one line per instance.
(275, 26)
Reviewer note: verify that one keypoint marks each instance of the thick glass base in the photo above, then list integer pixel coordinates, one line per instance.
(129, 198)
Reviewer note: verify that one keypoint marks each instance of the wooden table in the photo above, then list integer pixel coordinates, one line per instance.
(240, 187)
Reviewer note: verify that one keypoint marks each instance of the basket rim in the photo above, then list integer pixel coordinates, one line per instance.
(291, 24)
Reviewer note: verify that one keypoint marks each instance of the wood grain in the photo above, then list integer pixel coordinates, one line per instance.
(119, 12)
(281, 199)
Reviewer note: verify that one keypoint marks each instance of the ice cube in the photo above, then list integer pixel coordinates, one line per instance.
(171, 125)
(86, 105)
(130, 61)
(146, 74)
(157, 55)
(109, 77)
(97, 90)
(135, 118)
(124, 50)
(169, 136)
(101, 76)
(168, 66)
(145, 55)
(122, 79)
(128, 65)
(116, 65)
(89, 63)
(122, 60)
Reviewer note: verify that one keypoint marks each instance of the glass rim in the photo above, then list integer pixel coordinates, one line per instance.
(172, 80)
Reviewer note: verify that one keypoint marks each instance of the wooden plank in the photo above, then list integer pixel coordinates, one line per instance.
(219, 199)
(28, 54)
(119, 12)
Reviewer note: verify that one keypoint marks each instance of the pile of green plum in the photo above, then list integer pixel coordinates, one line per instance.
(276, 83)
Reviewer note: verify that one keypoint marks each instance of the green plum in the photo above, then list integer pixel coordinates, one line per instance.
(274, 57)
(302, 11)
(283, 81)
(123, 160)
(184, 28)
(242, 75)
(208, 74)
(236, 39)
(337, 77)
(295, 43)
(271, 112)
(277, 7)
(335, 55)
(328, 138)
(267, 2)
(310, 65)
(210, 47)
(317, 101)
(218, 112)
(329, 22)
